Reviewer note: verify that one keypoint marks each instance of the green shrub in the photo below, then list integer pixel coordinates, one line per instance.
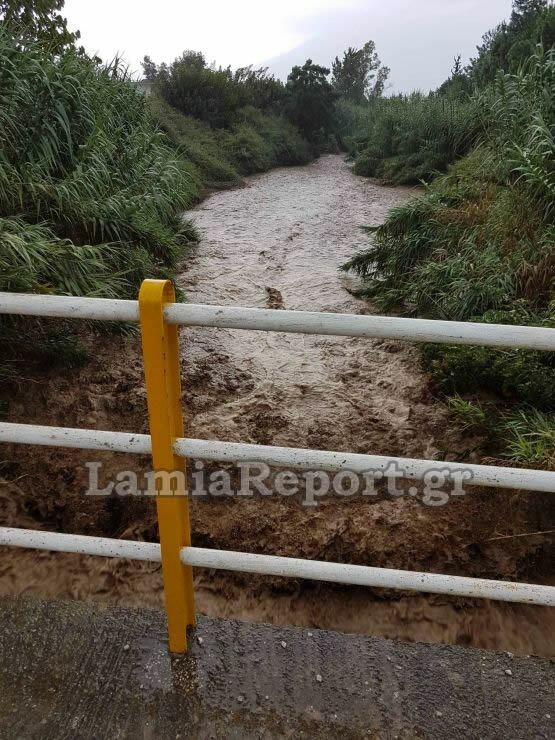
(212, 95)
(481, 236)
(511, 44)
(243, 113)
(521, 375)
(405, 139)
(57, 348)
(248, 150)
(283, 141)
(91, 191)
(255, 142)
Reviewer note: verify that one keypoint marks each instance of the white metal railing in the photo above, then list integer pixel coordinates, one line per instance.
(317, 570)
(491, 476)
(296, 322)
(418, 330)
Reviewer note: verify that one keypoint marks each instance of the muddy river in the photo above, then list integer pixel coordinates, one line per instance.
(278, 243)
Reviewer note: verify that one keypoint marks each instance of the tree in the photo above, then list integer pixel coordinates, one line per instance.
(150, 70)
(190, 58)
(526, 7)
(376, 91)
(260, 88)
(311, 101)
(509, 45)
(42, 21)
(458, 84)
(360, 74)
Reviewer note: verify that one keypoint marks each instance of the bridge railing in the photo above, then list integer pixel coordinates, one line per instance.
(159, 315)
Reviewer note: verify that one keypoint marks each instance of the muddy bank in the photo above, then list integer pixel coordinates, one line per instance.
(278, 242)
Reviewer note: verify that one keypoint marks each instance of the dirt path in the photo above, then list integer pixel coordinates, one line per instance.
(278, 242)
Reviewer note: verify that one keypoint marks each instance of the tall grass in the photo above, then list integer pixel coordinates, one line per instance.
(91, 193)
(86, 181)
(199, 146)
(480, 237)
(531, 436)
(479, 244)
(406, 139)
(521, 125)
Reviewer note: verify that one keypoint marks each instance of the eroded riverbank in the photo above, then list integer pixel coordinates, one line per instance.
(278, 242)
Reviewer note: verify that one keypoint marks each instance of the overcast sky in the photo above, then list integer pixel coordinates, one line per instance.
(416, 38)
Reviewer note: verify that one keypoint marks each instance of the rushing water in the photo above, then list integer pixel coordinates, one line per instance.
(278, 242)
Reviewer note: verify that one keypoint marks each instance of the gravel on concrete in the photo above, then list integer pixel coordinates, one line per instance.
(76, 670)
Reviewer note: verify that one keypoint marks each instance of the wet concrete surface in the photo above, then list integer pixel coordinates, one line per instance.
(76, 670)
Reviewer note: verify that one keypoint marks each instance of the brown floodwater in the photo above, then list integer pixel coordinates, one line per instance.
(278, 242)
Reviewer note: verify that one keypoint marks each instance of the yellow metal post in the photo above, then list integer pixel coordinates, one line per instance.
(163, 387)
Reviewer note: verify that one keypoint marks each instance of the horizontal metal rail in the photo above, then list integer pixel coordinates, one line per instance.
(356, 575)
(69, 307)
(79, 439)
(298, 458)
(364, 575)
(305, 322)
(33, 539)
(482, 475)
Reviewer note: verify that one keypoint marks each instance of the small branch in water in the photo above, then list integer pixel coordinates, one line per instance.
(522, 534)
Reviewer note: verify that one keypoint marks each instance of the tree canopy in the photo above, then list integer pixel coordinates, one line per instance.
(213, 94)
(360, 74)
(523, 7)
(310, 102)
(41, 21)
(509, 45)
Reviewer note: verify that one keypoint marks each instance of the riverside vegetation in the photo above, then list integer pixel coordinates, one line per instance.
(479, 243)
